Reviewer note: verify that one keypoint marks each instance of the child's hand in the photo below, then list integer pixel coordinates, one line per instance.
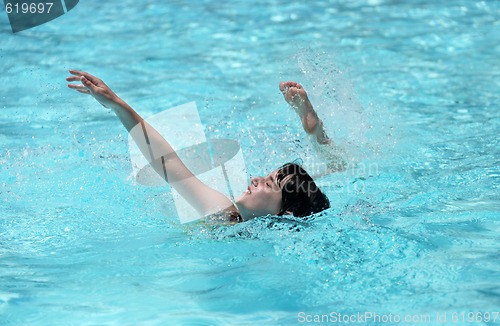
(95, 87)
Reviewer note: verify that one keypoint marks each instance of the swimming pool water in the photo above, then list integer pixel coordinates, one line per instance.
(409, 90)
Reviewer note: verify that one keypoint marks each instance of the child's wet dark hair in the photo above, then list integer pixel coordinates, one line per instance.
(300, 194)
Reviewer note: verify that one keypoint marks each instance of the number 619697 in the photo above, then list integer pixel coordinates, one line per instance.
(25, 8)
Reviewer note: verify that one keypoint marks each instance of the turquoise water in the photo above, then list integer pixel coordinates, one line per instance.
(410, 91)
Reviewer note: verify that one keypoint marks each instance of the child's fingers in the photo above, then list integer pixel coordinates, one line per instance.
(76, 86)
(90, 77)
(80, 88)
(88, 84)
(75, 72)
(73, 78)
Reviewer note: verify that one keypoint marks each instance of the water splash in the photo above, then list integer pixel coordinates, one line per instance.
(363, 131)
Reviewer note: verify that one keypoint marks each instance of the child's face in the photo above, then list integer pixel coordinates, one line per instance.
(263, 196)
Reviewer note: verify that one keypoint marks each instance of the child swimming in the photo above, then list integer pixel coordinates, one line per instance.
(287, 190)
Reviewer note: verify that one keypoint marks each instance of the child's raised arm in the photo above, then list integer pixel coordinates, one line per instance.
(169, 166)
(297, 98)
